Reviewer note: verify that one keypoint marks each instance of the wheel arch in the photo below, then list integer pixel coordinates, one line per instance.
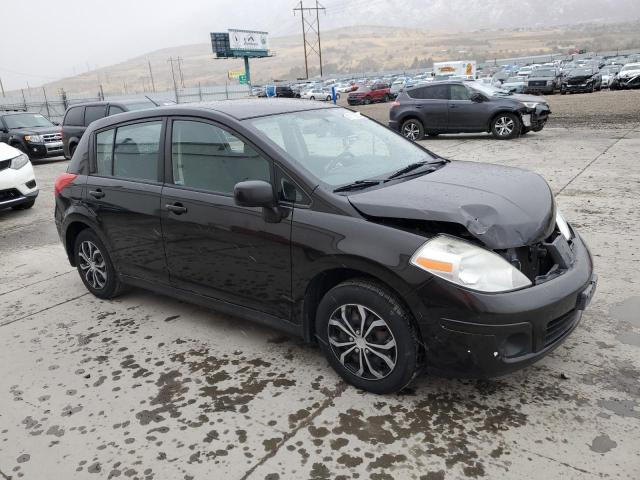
(500, 112)
(324, 281)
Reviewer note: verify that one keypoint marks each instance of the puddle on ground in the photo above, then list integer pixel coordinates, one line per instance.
(602, 444)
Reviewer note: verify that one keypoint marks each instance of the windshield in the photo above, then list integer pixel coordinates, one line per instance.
(545, 73)
(26, 120)
(514, 80)
(337, 146)
(626, 68)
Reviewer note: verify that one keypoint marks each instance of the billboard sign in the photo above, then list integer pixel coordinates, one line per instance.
(248, 40)
(235, 74)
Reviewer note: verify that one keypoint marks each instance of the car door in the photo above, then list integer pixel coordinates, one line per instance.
(464, 114)
(4, 131)
(73, 126)
(431, 103)
(123, 190)
(215, 247)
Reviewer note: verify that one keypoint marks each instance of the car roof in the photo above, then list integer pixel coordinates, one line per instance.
(240, 109)
(17, 112)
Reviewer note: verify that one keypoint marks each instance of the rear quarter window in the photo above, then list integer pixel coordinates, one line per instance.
(74, 116)
(93, 113)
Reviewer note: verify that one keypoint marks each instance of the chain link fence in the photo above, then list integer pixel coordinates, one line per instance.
(53, 104)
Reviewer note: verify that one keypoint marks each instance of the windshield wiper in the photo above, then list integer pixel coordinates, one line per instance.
(358, 184)
(414, 166)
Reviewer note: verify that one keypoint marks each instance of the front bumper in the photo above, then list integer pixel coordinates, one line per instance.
(45, 150)
(17, 186)
(535, 118)
(356, 101)
(486, 335)
(539, 89)
(582, 87)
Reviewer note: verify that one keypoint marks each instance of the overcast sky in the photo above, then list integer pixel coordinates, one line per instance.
(55, 38)
(51, 39)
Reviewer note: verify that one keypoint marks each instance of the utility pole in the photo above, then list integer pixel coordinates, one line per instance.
(173, 76)
(179, 61)
(308, 26)
(153, 85)
(2, 88)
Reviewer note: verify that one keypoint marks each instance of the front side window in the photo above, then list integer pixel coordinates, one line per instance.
(206, 157)
(433, 92)
(114, 109)
(136, 150)
(337, 146)
(459, 92)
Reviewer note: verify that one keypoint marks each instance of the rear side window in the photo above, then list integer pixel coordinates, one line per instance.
(135, 151)
(129, 152)
(104, 153)
(75, 116)
(432, 92)
(94, 113)
(206, 157)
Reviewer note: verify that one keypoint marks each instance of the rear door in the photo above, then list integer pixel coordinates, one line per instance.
(214, 247)
(123, 190)
(432, 105)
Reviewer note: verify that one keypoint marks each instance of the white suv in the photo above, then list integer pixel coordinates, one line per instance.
(18, 188)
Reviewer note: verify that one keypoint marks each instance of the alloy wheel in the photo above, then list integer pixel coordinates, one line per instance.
(504, 126)
(92, 265)
(411, 131)
(362, 341)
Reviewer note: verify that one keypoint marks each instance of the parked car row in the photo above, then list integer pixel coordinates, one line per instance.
(583, 75)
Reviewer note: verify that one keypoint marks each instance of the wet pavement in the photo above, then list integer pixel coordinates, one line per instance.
(148, 387)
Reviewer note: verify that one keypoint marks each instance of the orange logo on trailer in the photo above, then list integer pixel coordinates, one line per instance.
(469, 69)
(448, 69)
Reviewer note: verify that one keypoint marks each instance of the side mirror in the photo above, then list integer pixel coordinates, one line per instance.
(254, 193)
(477, 97)
(56, 123)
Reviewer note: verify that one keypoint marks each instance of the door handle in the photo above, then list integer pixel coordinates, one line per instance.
(452, 106)
(176, 208)
(97, 193)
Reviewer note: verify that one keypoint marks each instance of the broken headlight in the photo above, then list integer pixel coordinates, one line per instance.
(468, 265)
(563, 226)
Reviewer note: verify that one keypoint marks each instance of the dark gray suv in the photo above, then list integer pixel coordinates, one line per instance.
(458, 107)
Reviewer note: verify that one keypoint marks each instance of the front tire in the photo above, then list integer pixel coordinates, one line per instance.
(368, 337)
(505, 126)
(95, 266)
(367, 101)
(412, 129)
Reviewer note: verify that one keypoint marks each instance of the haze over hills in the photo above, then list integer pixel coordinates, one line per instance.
(349, 50)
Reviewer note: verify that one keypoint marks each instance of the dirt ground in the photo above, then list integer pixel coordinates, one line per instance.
(604, 109)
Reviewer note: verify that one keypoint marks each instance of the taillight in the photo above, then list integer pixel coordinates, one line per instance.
(396, 103)
(62, 181)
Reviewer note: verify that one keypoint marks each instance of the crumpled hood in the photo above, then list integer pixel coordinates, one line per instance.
(503, 207)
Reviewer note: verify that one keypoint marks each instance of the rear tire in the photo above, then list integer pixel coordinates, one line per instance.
(386, 98)
(72, 150)
(412, 129)
(367, 101)
(506, 126)
(368, 337)
(95, 266)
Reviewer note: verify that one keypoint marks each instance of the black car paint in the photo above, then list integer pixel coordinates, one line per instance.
(462, 116)
(277, 270)
(579, 81)
(15, 138)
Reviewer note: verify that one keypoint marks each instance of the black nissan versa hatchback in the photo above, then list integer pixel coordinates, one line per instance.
(321, 222)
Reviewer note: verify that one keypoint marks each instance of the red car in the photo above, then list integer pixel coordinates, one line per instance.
(378, 92)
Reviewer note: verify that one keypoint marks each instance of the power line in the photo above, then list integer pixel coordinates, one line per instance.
(310, 44)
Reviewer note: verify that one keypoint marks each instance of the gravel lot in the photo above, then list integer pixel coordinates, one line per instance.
(147, 387)
(604, 109)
